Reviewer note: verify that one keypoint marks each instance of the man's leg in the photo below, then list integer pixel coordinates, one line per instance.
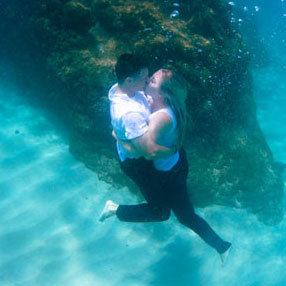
(142, 172)
(142, 213)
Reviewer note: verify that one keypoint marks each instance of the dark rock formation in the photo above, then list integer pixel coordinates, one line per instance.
(76, 16)
(70, 48)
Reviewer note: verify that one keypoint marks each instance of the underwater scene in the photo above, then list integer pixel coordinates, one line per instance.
(73, 212)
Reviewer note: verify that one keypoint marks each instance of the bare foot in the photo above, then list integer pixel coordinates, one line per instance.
(224, 255)
(109, 210)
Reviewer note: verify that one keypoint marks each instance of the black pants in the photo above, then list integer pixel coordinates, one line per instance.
(165, 191)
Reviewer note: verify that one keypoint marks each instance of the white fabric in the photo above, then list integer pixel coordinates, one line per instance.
(129, 117)
(169, 139)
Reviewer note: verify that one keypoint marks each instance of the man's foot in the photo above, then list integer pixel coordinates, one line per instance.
(224, 255)
(108, 210)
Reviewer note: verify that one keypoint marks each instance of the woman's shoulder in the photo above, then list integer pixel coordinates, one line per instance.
(168, 113)
(165, 110)
(162, 120)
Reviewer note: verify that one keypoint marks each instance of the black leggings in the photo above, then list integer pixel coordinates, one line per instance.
(165, 191)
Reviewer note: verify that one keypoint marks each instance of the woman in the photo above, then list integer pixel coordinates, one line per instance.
(168, 181)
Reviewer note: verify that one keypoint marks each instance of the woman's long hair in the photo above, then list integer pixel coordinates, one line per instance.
(174, 88)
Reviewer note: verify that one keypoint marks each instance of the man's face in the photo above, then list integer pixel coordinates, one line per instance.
(140, 81)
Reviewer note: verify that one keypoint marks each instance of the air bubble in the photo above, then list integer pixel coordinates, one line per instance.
(174, 14)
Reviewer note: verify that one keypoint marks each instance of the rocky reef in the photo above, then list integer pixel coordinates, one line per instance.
(65, 51)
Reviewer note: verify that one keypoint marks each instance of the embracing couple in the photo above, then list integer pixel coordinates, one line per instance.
(149, 118)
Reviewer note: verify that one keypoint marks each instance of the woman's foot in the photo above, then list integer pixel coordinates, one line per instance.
(224, 255)
(109, 210)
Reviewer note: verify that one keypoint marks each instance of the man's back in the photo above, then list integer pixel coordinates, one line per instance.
(129, 116)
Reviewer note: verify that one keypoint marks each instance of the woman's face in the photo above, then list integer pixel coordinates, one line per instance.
(154, 85)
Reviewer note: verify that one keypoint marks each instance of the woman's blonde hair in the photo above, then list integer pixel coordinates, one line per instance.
(174, 89)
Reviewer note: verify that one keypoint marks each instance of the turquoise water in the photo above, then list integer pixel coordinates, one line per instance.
(50, 203)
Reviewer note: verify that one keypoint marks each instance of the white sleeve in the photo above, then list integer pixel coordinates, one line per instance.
(134, 125)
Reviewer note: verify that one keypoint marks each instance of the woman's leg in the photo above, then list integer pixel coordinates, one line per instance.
(178, 200)
(186, 215)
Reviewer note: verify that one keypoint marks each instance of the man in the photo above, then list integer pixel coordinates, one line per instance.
(130, 111)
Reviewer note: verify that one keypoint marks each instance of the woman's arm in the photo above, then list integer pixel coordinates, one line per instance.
(146, 144)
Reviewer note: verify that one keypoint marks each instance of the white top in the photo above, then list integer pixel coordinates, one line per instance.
(129, 117)
(169, 139)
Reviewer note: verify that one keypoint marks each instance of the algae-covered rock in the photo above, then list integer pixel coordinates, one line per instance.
(76, 16)
(75, 45)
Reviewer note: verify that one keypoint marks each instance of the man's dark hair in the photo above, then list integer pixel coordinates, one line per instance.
(128, 65)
